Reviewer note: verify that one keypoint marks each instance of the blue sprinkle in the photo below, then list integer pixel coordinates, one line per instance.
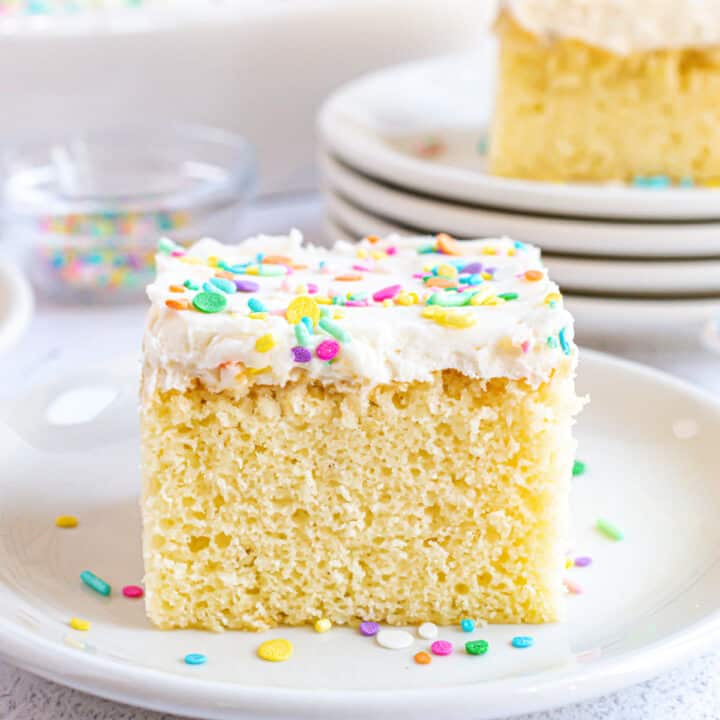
(522, 641)
(255, 305)
(467, 625)
(687, 182)
(563, 342)
(195, 659)
(519, 245)
(227, 286)
(307, 322)
(95, 583)
(259, 258)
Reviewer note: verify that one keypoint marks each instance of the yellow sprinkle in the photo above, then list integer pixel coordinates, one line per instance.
(191, 260)
(569, 563)
(251, 270)
(322, 625)
(712, 183)
(449, 317)
(362, 254)
(258, 316)
(447, 271)
(277, 650)
(489, 251)
(323, 300)
(407, 298)
(377, 254)
(338, 315)
(257, 371)
(428, 268)
(387, 302)
(66, 521)
(482, 297)
(552, 297)
(213, 260)
(300, 307)
(486, 276)
(511, 252)
(265, 343)
(301, 289)
(79, 624)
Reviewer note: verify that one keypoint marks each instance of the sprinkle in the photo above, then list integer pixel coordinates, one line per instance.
(428, 631)
(308, 324)
(387, 293)
(552, 342)
(301, 354)
(441, 647)
(256, 305)
(533, 275)
(327, 349)
(579, 468)
(394, 639)
(440, 282)
(276, 260)
(133, 591)
(508, 296)
(177, 304)
(553, 297)
(302, 307)
(448, 271)
(476, 647)
(451, 299)
(472, 269)
(563, 342)
(609, 530)
(195, 659)
(258, 316)
(361, 268)
(177, 288)
(467, 625)
(368, 628)
(422, 658)
(348, 277)
(79, 624)
(190, 285)
(407, 298)
(568, 563)
(66, 521)
(334, 329)
(166, 245)
(448, 318)
(572, 587)
(209, 302)
(322, 625)
(583, 561)
(522, 641)
(95, 583)
(272, 270)
(227, 286)
(302, 335)
(265, 343)
(247, 286)
(277, 650)
(447, 245)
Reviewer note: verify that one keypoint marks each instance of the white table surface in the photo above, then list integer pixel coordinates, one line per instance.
(692, 690)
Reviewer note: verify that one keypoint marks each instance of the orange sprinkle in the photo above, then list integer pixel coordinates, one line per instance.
(298, 266)
(348, 278)
(423, 658)
(448, 245)
(178, 304)
(440, 282)
(176, 288)
(372, 239)
(276, 260)
(224, 274)
(533, 275)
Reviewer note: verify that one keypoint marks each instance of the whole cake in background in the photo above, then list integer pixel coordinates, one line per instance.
(602, 90)
(380, 431)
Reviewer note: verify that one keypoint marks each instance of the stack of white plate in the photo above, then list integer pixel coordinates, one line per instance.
(403, 151)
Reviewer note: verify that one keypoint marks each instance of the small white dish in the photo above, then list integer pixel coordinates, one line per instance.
(556, 235)
(379, 122)
(16, 305)
(649, 602)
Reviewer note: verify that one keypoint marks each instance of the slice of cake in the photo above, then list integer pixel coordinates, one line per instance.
(378, 432)
(603, 90)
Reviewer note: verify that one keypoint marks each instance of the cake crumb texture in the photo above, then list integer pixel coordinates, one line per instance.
(568, 111)
(424, 501)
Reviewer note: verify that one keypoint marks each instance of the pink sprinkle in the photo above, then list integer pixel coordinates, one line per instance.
(133, 591)
(583, 561)
(441, 647)
(419, 276)
(387, 293)
(356, 303)
(525, 346)
(285, 285)
(312, 288)
(177, 253)
(572, 587)
(327, 349)
(392, 250)
(361, 268)
(279, 313)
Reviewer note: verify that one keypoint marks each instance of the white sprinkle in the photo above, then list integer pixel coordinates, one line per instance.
(394, 639)
(685, 428)
(427, 631)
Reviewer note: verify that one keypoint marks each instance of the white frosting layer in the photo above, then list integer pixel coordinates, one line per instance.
(523, 338)
(623, 26)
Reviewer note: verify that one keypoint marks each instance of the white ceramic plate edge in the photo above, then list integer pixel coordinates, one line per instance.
(18, 302)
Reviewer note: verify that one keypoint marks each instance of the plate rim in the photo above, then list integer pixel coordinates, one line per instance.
(364, 151)
(164, 691)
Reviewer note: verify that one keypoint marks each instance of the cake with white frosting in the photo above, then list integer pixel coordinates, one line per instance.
(379, 431)
(604, 90)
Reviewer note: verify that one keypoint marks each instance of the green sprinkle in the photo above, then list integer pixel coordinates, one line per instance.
(190, 285)
(552, 342)
(209, 302)
(302, 335)
(272, 270)
(334, 329)
(579, 467)
(450, 300)
(95, 583)
(227, 286)
(354, 297)
(427, 249)
(508, 296)
(166, 246)
(224, 266)
(609, 530)
(476, 647)
(256, 305)
(325, 311)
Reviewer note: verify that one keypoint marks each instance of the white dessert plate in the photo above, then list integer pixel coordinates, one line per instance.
(557, 235)
(419, 125)
(16, 305)
(699, 277)
(596, 314)
(650, 444)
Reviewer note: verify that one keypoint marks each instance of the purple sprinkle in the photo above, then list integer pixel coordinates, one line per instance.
(368, 629)
(472, 269)
(491, 270)
(246, 286)
(583, 561)
(301, 354)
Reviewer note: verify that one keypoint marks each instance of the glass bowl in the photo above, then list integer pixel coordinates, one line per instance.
(85, 211)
